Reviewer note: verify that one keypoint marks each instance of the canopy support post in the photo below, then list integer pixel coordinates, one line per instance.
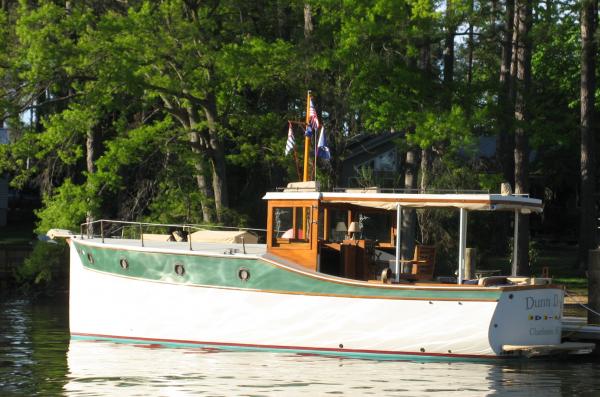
(462, 245)
(398, 240)
(515, 246)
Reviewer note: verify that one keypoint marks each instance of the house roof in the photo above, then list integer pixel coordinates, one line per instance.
(364, 143)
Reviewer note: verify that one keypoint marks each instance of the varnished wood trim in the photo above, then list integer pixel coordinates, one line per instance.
(325, 224)
(269, 225)
(293, 203)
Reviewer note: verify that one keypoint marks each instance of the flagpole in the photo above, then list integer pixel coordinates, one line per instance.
(306, 139)
(316, 149)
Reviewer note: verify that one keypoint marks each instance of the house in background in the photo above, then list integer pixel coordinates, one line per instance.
(383, 157)
(3, 183)
(372, 160)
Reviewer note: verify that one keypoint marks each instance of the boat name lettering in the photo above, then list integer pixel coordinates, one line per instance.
(540, 331)
(537, 303)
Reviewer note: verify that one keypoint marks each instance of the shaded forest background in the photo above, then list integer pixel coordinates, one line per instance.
(176, 110)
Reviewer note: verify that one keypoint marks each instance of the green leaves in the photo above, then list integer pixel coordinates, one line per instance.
(449, 131)
(64, 133)
(136, 148)
(66, 208)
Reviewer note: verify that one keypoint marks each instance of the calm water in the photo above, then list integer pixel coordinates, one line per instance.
(37, 358)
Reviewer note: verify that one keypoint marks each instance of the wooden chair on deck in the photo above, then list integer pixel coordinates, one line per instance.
(424, 262)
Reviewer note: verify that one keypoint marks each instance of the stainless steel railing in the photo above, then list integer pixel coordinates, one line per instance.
(129, 229)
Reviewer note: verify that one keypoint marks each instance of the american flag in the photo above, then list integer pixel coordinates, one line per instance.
(313, 120)
(290, 141)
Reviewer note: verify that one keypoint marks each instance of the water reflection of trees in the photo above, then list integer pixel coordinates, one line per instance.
(33, 345)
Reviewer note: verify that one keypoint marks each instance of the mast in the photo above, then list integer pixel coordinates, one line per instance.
(306, 139)
(306, 154)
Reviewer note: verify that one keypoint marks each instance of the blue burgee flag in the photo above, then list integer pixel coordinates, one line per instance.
(309, 131)
(322, 149)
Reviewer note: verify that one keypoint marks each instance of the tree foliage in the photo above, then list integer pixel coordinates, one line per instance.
(176, 110)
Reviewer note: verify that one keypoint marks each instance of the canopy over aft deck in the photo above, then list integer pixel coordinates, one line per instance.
(390, 201)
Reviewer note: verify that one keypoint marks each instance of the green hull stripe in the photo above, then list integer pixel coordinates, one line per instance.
(224, 272)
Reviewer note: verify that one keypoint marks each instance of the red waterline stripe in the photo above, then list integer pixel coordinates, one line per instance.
(280, 347)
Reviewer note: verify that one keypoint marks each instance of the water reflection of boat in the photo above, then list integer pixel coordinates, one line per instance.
(109, 369)
(309, 290)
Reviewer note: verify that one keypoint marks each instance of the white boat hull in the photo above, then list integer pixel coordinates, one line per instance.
(108, 306)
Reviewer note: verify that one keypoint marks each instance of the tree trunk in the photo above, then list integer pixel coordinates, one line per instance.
(199, 146)
(505, 104)
(587, 217)
(308, 25)
(189, 118)
(207, 213)
(200, 174)
(449, 53)
(426, 161)
(282, 26)
(470, 44)
(505, 141)
(216, 158)
(409, 215)
(522, 85)
(91, 169)
(424, 65)
(513, 59)
(90, 154)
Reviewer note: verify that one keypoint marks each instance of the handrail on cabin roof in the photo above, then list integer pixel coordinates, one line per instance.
(394, 190)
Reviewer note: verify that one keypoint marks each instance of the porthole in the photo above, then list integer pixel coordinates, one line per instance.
(123, 263)
(90, 258)
(179, 269)
(244, 274)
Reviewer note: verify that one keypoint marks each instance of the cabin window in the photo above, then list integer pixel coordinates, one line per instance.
(338, 224)
(291, 223)
(321, 228)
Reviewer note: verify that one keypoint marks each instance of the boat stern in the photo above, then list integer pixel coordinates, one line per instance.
(527, 316)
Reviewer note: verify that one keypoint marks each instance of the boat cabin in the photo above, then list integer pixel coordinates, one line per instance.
(354, 233)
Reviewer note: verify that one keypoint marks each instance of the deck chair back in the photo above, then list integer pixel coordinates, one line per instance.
(424, 262)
